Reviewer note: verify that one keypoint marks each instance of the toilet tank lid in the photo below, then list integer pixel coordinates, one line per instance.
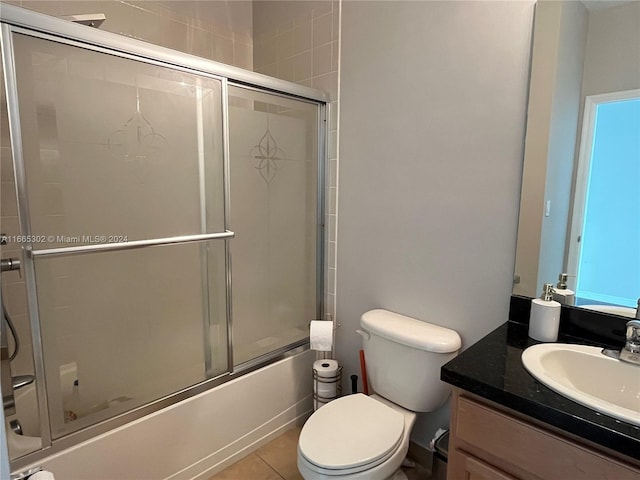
(410, 331)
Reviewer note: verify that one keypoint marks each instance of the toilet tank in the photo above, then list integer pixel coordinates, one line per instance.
(403, 358)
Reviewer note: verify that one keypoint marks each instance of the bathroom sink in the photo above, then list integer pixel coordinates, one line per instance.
(586, 376)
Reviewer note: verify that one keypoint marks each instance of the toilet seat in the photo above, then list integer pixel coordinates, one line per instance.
(350, 435)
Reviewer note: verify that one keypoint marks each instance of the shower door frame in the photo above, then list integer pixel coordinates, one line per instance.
(17, 20)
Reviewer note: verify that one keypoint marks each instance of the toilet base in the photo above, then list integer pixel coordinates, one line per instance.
(399, 475)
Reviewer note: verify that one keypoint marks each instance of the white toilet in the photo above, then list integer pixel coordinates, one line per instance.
(367, 437)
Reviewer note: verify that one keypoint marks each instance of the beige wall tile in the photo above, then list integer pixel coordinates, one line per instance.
(322, 8)
(9, 206)
(175, 35)
(16, 298)
(333, 173)
(328, 83)
(333, 115)
(331, 281)
(11, 227)
(331, 253)
(6, 163)
(265, 50)
(148, 26)
(302, 66)
(271, 69)
(242, 55)
(331, 303)
(332, 144)
(49, 8)
(335, 56)
(322, 60)
(222, 49)
(302, 37)
(285, 69)
(200, 42)
(285, 44)
(332, 228)
(223, 31)
(322, 30)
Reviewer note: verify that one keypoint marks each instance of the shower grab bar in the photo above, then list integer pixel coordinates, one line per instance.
(102, 247)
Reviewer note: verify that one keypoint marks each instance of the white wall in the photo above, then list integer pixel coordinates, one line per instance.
(613, 45)
(432, 116)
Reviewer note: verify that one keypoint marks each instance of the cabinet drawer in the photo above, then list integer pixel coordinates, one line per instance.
(527, 448)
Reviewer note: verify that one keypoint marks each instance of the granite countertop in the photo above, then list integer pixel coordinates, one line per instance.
(492, 368)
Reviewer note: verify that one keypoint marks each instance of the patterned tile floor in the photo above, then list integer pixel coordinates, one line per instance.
(277, 461)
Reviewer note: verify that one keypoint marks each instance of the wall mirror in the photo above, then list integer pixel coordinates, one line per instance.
(580, 202)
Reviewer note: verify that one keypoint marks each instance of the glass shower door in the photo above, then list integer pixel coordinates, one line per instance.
(274, 197)
(123, 198)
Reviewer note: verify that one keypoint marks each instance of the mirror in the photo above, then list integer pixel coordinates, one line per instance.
(585, 57)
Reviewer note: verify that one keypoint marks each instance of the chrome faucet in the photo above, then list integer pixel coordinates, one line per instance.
(631, 351)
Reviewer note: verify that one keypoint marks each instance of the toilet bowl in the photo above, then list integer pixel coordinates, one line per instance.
(362, 437)
(355, 438)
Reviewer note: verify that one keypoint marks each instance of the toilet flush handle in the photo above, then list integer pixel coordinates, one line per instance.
(364, 334)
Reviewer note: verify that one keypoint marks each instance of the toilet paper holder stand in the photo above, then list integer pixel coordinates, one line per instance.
(317, 380)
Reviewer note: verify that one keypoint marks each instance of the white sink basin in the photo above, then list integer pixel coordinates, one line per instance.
(588, 377)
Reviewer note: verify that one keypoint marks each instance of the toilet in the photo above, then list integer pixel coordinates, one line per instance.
(367, 437)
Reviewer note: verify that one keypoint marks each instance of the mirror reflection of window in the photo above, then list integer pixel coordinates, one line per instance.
(605, 240)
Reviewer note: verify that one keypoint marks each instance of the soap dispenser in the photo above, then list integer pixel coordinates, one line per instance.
(561, 293)
(544, 320)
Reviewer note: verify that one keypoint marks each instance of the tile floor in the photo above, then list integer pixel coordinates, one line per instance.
(277, 461)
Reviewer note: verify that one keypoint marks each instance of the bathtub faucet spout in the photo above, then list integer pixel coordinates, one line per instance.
(22, 381)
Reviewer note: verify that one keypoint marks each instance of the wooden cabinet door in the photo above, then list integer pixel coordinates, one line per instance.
(470, 468)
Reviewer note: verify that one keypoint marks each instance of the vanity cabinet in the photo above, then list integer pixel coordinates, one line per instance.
(489, 443)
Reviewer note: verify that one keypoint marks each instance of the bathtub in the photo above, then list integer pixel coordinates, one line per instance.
(27, 414)
(197, 437)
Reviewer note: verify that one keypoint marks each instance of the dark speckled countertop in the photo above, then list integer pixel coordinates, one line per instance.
(492, 368)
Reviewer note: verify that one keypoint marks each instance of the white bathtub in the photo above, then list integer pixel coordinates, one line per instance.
(27, 415)
(198, 437)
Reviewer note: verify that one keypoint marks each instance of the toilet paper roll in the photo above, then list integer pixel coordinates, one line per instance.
(321, 335)
(326, 368)
(325, 390)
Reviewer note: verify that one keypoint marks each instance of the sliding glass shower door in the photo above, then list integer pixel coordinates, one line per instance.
(170, 223)
(124, 190)
(274, 196)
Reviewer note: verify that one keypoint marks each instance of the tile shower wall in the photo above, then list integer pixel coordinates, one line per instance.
(14, 293)
(217, 30)
(300, 42)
